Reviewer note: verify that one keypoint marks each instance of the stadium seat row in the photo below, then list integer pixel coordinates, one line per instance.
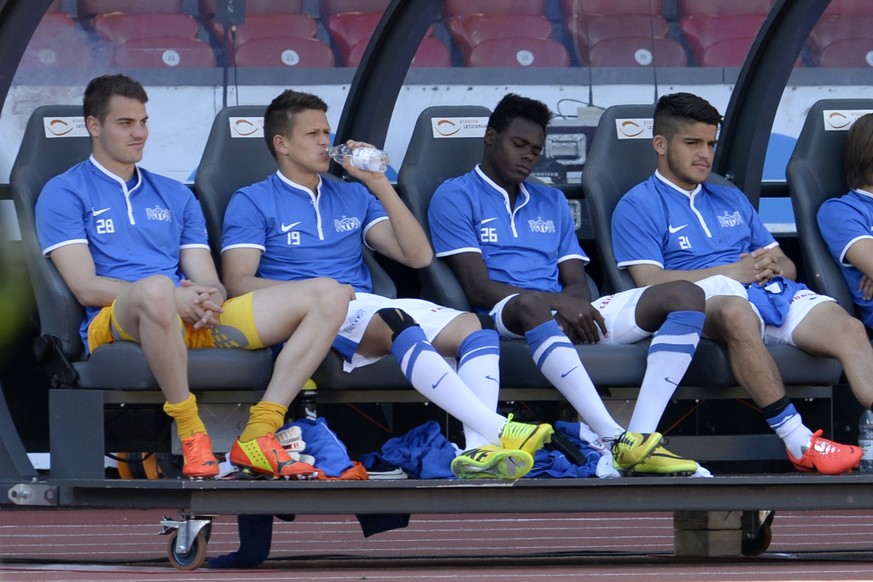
(131, 34)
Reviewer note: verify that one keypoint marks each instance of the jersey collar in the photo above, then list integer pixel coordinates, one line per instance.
(687, 193)
(117, 179)
(294, 184)
(861, 192)
(522, 189)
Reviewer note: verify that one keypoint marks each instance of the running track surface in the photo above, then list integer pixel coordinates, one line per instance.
(74, 545)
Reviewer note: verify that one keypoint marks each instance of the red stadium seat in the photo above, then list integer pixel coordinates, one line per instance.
(638, 52)
(703, 31)
(262, 26)
(725, 8)
(57, 43)
(164, 52)
(295, 52)
(467, 7)
(87, 9)
(726, 53)
(852, 53)
(350, 29)
(121, 27)
(571, 8)
(587, 30)
(519, 52)
(431, 53)
(850, 8)
(468, 31)
(831, 29)
(329, 7)
(206, 8)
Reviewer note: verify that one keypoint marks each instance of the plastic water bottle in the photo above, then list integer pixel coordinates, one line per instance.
(363, 158)
(865, 441)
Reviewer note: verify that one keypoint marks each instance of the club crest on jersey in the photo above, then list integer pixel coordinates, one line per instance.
(542, 226)
(347, 224)
(158, 213)
(730, 220)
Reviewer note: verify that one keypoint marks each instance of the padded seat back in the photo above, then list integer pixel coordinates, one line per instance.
(815, 173)
(55, 139)
(236, 156)
(439, 149)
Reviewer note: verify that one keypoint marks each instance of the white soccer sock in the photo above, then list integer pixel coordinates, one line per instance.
(789, 426)
(479, 369)
(557, 359)
(669, 356)
(430, 375)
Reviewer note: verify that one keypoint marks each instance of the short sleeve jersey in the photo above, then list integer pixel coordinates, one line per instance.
(304, 234)
(657, 223)
(521, 246)
(843, 221)
(133, 230)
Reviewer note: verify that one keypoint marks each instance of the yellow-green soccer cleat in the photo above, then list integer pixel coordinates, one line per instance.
(663, 462)
(492, 462)
(526, 437)
(632, 448)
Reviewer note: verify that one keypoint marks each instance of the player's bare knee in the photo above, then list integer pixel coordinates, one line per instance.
(530, 309)
(735, 319)
(154, 297)
(685, 296)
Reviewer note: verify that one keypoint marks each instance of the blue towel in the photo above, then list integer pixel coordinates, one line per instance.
(549, 463)
(423, 453)
(331, 455)
(774, 299)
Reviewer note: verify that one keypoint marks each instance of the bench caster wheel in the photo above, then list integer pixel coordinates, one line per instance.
(189, 535)
(757, 533)
(193, 558)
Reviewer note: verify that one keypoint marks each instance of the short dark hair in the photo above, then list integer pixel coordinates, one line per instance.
(101, 89)
(859, 153)
(512, 106)
(679, 108)
(279, 117)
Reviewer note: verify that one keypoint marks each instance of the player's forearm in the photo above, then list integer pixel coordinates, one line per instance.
(98, 291)
(242, 284)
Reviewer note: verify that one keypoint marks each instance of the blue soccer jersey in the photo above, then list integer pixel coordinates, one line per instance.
(304, 234)
(657, 223)
(521, 246)
(133, 230)
(844, 221)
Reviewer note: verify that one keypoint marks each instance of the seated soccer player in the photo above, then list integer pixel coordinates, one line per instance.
(132, 247)
(675, 226)
(846, 223)
(512, 244)
(294, 225)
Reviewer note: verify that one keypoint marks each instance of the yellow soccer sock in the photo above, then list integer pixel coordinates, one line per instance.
(264, 417)
(187, 417)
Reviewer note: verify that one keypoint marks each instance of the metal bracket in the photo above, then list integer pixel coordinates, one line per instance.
(33, 494)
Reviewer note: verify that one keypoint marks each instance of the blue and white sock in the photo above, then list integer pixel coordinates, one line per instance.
(557, 358)
(479, 368)
(670, 354)
(789, 426)
(431, 375)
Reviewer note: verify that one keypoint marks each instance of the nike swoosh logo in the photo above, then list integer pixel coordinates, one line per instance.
(490, 378)
(99, 212)
(437, 383)
(669, 381)
(287, 227)
(568, 372)
(675, 229)
(487, 220)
